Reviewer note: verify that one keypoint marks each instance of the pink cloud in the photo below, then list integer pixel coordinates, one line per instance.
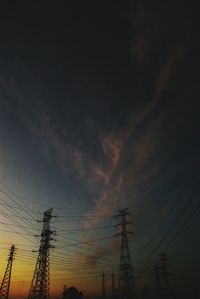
(112, 147)
(113, 180)
(91, 260)
(122, 184)
(115, 245)
(101, 174)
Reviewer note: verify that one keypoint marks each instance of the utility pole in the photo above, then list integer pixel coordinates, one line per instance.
(126, 280)
(5, 285)
(41, 278)
(103, 292)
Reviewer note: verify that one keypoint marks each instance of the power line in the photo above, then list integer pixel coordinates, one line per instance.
(174, 223)
(41, 278)
(126, 279)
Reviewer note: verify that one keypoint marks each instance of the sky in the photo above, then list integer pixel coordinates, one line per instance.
(99, 112)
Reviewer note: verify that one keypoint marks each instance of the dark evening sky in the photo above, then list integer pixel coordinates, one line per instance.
(99, 111)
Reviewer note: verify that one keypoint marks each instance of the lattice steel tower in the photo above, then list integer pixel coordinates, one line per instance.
(5, 285)
(166, 288)
(126, 279)
(41, 278)
(158, 282)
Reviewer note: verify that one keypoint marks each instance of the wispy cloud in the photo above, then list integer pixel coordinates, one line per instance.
(114, 164)
(114, 168)
(91, 260)
(134, 167)
(116, 175)
(167, 74)
(158, 43)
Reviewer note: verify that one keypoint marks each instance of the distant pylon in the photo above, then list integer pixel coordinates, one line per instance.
(103, 291)
(165, 289)
(126, 279)
(5, 285)
(158, 282)
(41, 278)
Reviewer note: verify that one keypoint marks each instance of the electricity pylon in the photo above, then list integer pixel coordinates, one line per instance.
(41, 278)
(166, 291)
(126, 279)
(163, 287)
(158, 282)
(5, 285)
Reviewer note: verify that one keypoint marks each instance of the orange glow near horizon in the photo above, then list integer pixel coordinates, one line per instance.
(23, 269)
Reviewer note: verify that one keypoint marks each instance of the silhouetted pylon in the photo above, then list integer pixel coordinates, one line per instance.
(166, 289)
(158, 282)
(41, 278)
(5, 285)
(126, 279)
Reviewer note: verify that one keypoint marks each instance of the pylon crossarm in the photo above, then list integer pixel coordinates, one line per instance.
(41, 279)
(5, 285)
(126, 279)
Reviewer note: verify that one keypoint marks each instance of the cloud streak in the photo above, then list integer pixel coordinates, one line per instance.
(115, 176)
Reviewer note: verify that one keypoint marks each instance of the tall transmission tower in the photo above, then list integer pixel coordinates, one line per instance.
(5, 285)
(158, 282)
(41, 278)
(126, 279)
(166, 290)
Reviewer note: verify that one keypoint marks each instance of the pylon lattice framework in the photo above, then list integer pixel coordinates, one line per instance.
(166, 289)
(41, 278)
(158, 282)
(126, 279)
(5, 285)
